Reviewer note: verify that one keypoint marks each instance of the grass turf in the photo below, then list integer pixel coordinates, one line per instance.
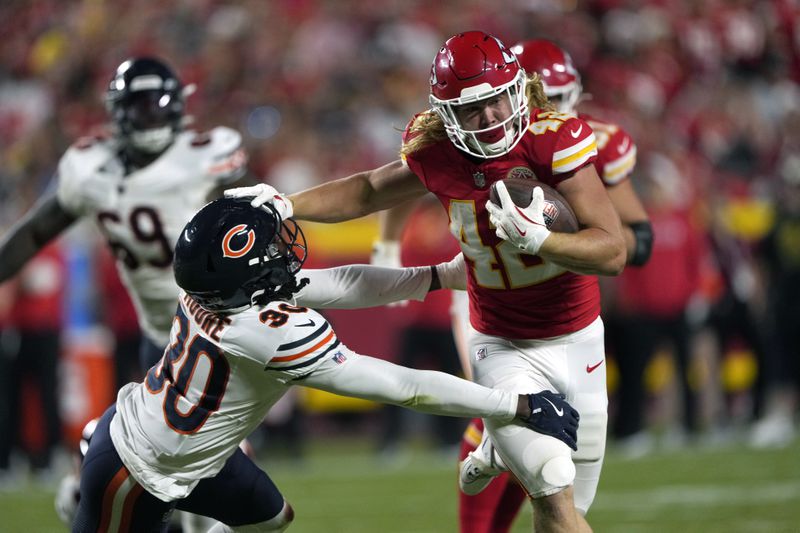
(341, 486)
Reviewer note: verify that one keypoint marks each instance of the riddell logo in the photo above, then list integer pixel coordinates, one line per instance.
(227, 246)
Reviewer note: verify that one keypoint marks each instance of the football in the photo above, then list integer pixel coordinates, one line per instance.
(558, 215)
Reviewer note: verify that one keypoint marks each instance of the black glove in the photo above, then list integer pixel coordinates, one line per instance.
(552, 415)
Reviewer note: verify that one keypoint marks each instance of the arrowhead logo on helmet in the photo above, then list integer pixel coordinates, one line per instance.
(228, 250)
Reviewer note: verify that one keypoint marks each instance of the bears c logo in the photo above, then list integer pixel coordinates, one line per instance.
(228, 250)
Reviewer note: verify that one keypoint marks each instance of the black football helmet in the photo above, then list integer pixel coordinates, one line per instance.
(232, 255)
(146, 102)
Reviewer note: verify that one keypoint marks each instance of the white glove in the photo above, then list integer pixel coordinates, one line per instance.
(522, 227)
(67, 498)
(386, 254)
(264, 194)
(453, 274)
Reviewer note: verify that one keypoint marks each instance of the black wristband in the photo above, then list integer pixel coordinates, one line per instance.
(643, 235)
(436, 284)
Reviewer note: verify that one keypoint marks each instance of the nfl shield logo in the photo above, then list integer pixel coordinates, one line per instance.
(550, 212)
(481, 353)
(480, 179)
(339, 357)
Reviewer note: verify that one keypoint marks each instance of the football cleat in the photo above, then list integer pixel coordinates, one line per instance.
(480, 466)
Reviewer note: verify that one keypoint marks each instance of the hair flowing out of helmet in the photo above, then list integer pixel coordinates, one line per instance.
(560, 78)
(473, 67)
(232, 256)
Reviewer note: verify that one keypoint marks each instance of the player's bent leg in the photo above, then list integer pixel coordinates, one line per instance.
(279, 522)
(474, 512)
(195, 523)
(110, 498)
(556, 514)
(509, 504)
(587, 370)
(241, 494)
(494, 509)
(542, 464)
(479, 467)
(588, 458)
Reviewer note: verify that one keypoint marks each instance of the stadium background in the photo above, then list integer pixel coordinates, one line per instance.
(320, 89)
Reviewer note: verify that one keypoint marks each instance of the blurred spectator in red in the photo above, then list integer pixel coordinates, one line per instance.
(652, 302)
(31, 346)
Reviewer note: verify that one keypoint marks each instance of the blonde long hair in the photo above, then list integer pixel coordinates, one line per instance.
(428, 127)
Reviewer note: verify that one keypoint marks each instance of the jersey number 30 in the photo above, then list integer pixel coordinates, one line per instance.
(197, 362)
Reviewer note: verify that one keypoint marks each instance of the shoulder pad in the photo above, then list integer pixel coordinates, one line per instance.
(575, 147)
(305, 338)
(225, 159)
(77, 166)
(618, 157)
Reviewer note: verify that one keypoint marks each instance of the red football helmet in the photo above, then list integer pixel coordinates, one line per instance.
(562, 83)
(471, 67)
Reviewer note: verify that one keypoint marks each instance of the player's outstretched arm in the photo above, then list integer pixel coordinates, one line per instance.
(343, 199)
(43, 222)
(360, 286)
(443, 394)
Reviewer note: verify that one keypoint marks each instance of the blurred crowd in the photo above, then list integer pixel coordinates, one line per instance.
(708, 89)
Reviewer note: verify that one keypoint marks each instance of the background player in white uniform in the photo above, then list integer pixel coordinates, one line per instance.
(139, 185)
(238, 343)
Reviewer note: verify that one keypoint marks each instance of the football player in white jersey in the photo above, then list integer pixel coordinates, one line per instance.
(139, 185)
(239, 341)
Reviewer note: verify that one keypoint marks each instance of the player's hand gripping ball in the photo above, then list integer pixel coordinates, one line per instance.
(524, 214)
(557, 213)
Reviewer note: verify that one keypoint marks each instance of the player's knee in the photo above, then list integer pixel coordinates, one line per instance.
(559, 471)
(546, 466)
(278, 522)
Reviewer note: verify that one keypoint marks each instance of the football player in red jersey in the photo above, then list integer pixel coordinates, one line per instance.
(534, 298)
(492, 506)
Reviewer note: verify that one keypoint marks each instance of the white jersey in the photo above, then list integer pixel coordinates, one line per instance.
(221, 374)
(141, 214)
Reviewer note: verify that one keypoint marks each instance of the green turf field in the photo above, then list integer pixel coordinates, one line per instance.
(342, 487)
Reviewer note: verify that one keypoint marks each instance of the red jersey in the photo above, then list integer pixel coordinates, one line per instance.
(512, 294)
(677, 263)
(616, 152)
(40, 292)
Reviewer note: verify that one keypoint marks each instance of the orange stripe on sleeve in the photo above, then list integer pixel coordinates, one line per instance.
(292, 357)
